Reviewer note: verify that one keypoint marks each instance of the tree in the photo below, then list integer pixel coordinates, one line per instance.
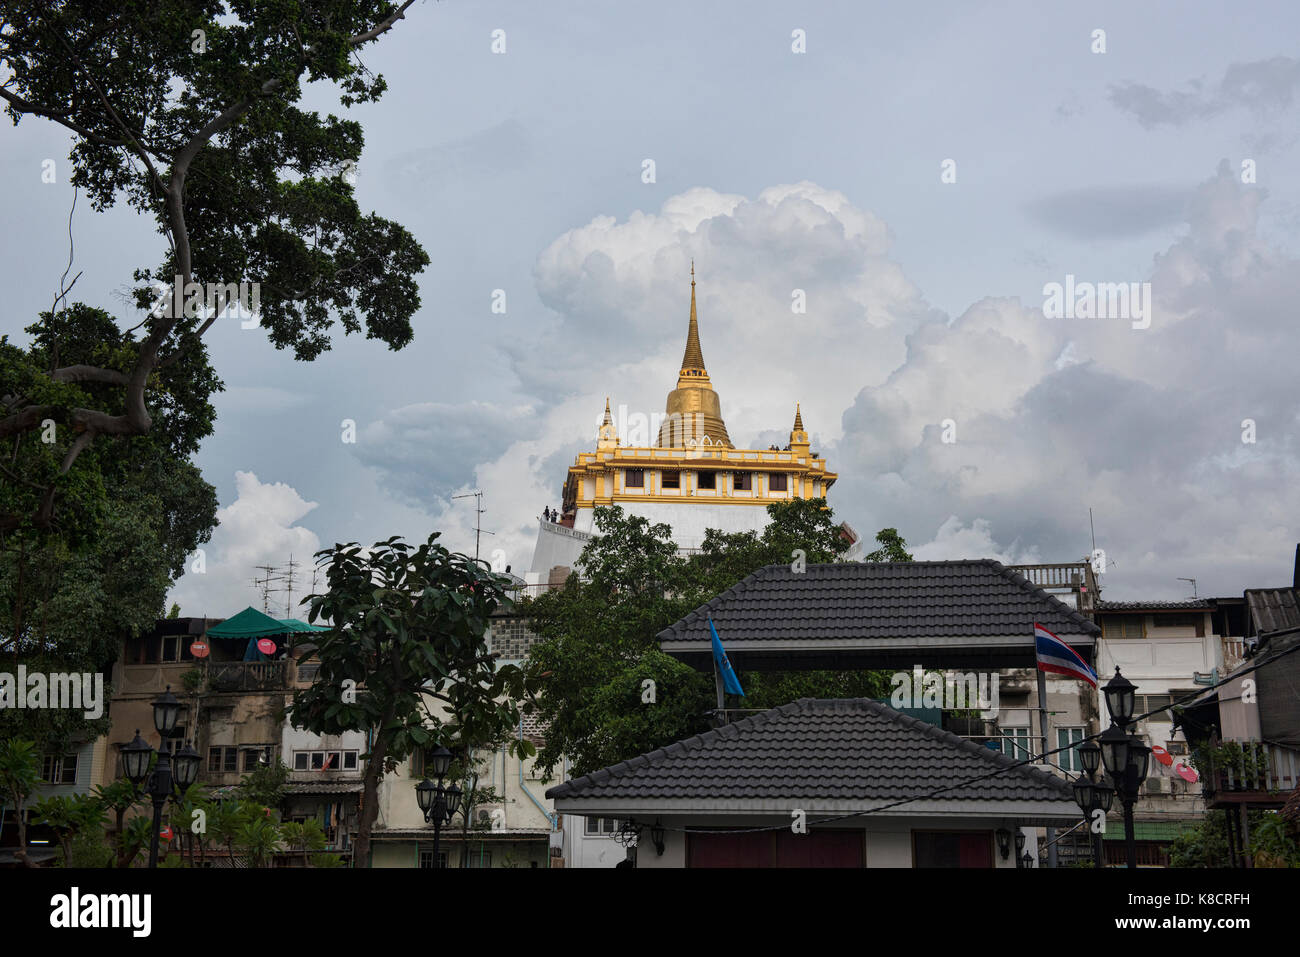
(607, 692)
(265, 784)
(892, 548)
(226, 821)
(70, 593)
(68, 816)
(258, 836)
(598, 633)
(303, 835)
(187, 112)
(119, 797)
(19, 776)
(408, 629)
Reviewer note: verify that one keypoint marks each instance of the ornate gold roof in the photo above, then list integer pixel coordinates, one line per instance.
(694, 410)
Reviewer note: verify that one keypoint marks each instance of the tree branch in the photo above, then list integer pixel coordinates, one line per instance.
(382, 27)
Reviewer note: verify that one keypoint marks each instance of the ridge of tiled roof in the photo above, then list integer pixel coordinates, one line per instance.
(1103, 605)
(879, 573)
(755, 725)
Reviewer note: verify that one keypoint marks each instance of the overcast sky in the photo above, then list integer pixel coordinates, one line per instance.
(819, 171)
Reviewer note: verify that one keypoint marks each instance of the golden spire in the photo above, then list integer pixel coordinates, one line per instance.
(798, 419)
(608, 419)
(694, 358)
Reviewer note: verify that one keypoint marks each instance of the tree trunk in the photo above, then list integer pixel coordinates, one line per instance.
(21, 854)
(370, 793)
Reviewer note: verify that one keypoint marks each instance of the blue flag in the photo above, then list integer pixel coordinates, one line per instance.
(730, 683)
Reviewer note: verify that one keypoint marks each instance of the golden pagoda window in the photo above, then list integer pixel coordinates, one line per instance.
(776, 482)
(708, 480)
(634, 478)
(744, 481)
(672, 479)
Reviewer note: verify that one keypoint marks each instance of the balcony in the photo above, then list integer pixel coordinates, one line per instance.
(1258, 773)
(236, 676)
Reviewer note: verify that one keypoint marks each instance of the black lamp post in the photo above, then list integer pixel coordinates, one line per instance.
(1020, 846)
(1125, 756)
(439, 804)
(163, 779)
(1092, 795)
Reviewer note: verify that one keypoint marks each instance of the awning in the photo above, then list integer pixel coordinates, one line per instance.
(249, 623)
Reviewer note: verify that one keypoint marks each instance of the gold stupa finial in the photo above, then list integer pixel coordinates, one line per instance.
(798, 418)
(608, 419)
(693, 358)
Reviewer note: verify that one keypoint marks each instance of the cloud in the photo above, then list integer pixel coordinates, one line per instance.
(1260, 85)
(427, 449)
(1144, 426)
(1110, 212)
(257, 528)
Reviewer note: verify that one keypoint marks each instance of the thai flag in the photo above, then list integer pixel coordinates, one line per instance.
(1056, 656)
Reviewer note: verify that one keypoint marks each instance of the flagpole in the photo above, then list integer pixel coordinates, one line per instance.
(1042, 727)
(722, 702)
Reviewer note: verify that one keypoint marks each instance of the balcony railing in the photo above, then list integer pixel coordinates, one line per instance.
(247, 676)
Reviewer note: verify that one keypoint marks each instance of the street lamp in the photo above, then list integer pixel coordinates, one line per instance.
(163, 779)
(438, 804)
(1125, 756)
(1020, 846)
(1092, 795)
(1119, 698)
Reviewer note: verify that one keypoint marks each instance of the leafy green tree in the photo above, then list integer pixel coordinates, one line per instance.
(892, 548)
(70, 592)
(119, 796)
(258, 837)
(19, 777)
(68, 816)
(188, 112)
(407, 658)
(265, 784)
(226, 822)
(305, 836)
(598, 646)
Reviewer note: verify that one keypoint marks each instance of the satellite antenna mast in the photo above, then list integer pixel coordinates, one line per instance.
(478, 518)
(264, 583)
(288, 586)
(1093, 530)
(1193, 581)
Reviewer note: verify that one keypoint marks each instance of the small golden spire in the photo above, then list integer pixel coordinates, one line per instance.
(798, 418)
(608, 419)
(694, 358)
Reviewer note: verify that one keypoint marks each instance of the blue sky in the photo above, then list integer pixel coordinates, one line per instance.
(776, 171)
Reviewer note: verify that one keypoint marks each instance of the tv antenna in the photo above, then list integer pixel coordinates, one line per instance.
(478, 518)
(1193, 581)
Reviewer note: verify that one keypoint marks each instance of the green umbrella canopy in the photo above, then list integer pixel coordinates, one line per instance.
(250, 623)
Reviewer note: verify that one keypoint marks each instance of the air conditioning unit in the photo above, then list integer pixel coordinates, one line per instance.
(1156, 786)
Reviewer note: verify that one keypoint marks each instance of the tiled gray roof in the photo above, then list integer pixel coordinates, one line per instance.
(819, 749)
(1274, 609)
(1190, 604)
(848, 600)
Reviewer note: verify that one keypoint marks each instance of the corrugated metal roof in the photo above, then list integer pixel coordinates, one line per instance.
(1273, 609)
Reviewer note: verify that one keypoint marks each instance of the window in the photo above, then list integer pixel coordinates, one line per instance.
(776, 482)
(176, 648)
(59, 769)
(1123, 626)
(602, 825)
(672, 479)
(1069, 738)
(1176, 747)
(222, 759)
(478, 858)
(1193, 620)
(634, 478)
(308, 671)
(708, 480)
(744, 481)
(1143, 703)
(176, 742)
(426, 859)
(338, 761)
(1016, 743)
(257, 756)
